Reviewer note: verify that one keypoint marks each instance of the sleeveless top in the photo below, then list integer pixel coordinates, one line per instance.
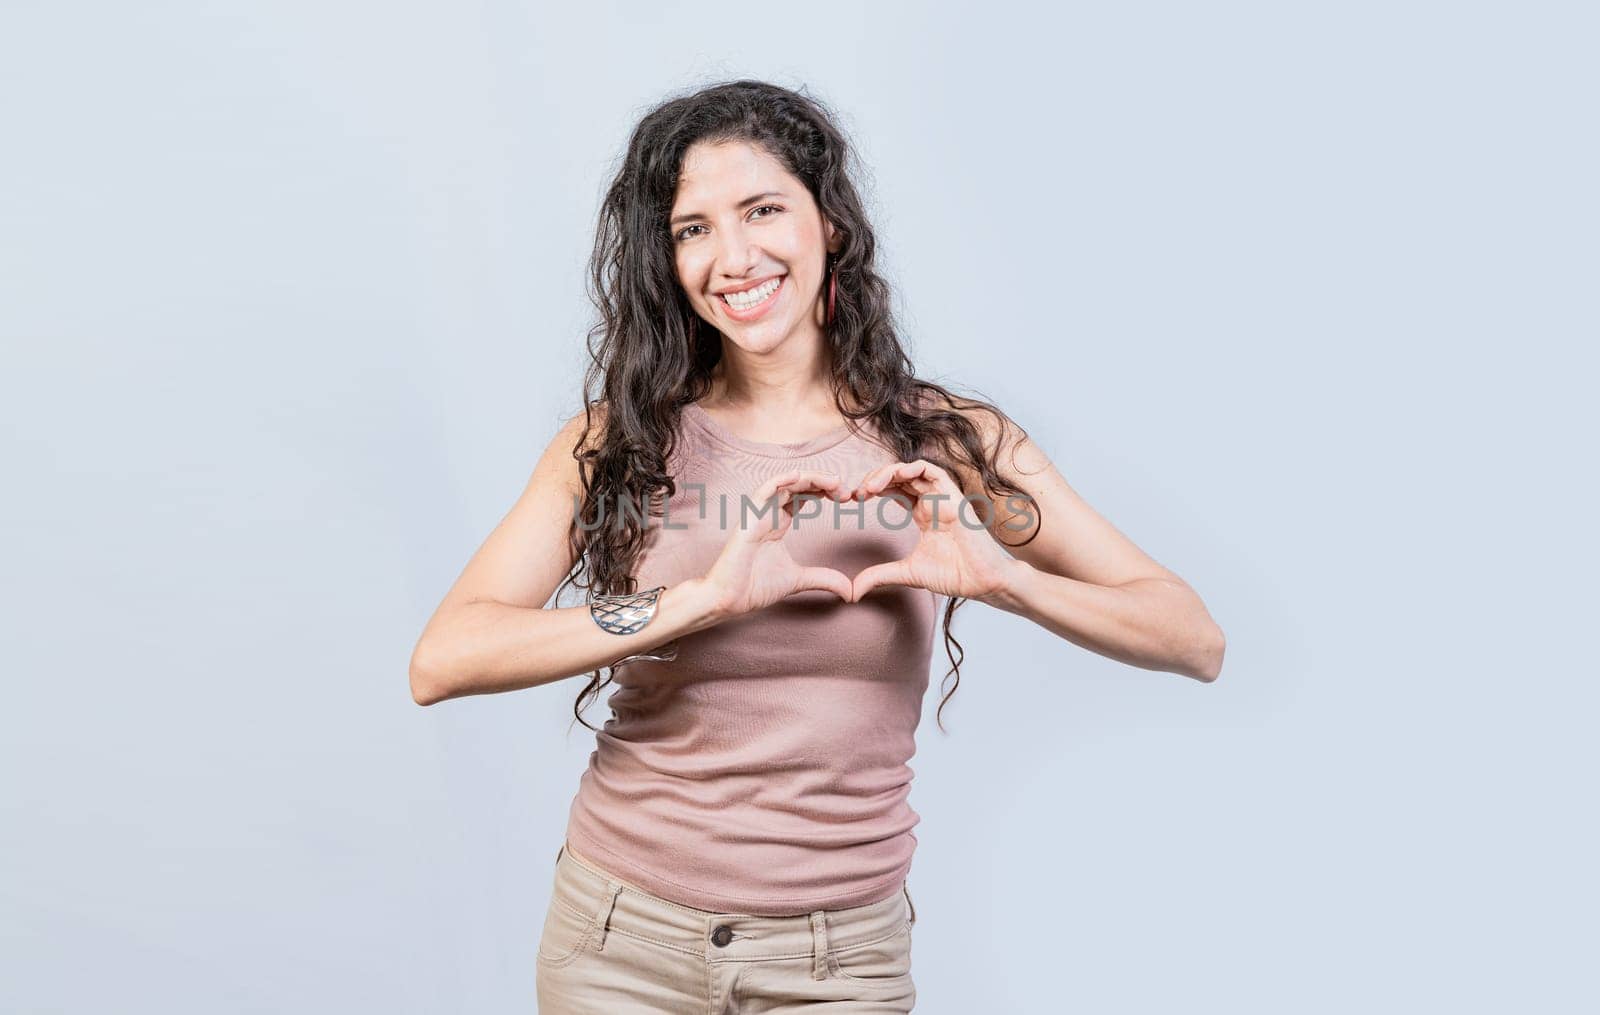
(765, 770)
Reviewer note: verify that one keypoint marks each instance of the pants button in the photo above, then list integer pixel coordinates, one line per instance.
(721, 936)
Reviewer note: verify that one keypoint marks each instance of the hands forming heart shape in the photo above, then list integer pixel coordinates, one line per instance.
(952, 557)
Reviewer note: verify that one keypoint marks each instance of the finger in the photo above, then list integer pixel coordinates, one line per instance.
(775, 491)
(775, 483)
(919, 475)
(898, 495)
(917, 480)
(823, 579)
(894, 572)
(923, 473)
(859, 491)
(765, 507)
(802, 506)
(826, 482)
(808, 488)
(792, 501)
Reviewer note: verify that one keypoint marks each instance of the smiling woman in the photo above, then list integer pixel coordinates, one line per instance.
(746, 809)
(740, 259)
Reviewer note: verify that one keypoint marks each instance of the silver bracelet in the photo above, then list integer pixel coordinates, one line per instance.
(631, 613)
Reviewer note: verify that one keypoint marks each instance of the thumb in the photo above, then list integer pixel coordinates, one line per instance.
(894, 572)
(823, 579)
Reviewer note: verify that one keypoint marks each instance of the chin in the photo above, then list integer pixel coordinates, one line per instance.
(760, 336)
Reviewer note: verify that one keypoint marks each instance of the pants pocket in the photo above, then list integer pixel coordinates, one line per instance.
(880, 961)
(566, 934)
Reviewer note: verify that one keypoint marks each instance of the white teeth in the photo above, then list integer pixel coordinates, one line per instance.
(751, 297)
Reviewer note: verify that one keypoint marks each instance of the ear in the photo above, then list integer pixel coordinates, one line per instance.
(832, 241)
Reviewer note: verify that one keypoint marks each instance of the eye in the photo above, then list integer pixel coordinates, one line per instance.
(684, 233)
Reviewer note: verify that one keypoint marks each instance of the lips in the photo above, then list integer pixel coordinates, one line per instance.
(760, 309)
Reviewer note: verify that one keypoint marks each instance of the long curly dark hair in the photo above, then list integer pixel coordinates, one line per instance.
(651, 353)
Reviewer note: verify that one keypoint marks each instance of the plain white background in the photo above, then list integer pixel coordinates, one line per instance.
(1300, 296)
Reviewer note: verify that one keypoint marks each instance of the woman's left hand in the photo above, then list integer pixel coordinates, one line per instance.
(954, 556)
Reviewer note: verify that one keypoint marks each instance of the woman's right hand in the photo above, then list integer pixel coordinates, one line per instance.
(755, 569)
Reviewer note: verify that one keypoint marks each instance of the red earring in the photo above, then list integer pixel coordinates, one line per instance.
(833, 291)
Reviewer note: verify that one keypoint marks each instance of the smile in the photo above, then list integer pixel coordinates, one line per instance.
(752, 302)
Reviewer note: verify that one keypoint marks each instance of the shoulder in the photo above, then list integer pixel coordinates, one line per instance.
(587, 426)
(999, 435)
(578, 436)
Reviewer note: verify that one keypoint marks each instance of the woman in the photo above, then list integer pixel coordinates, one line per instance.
(769, 506)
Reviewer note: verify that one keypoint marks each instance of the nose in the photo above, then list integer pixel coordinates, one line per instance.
(737, 254)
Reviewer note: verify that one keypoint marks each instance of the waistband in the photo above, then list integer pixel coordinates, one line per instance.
(615, 906)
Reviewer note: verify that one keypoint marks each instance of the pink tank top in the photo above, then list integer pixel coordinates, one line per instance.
(765, 770)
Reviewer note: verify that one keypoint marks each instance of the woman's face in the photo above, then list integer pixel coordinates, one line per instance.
(750, 245)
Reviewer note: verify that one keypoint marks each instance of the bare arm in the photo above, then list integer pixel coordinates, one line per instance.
(498, 647)
(492, 632)
(1152, 623)
(1085, 581)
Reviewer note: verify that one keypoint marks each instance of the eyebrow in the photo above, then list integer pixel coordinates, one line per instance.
(752, 199)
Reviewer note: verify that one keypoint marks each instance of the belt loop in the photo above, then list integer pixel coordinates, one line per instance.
(907, 886)
(819, 945)
(612, 891)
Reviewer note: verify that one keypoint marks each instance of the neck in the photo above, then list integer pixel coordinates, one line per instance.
(790, 382)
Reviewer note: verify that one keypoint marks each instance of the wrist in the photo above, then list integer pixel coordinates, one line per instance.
(703, 604)
(1009, 591)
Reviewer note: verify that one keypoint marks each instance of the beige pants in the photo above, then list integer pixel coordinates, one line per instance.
(611, 948)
